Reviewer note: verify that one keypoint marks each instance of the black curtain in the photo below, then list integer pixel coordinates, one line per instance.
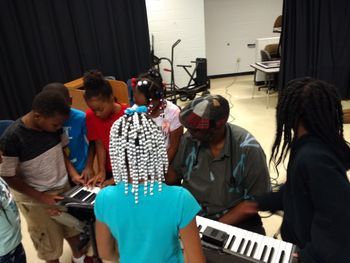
(43, 41)
(316, 42)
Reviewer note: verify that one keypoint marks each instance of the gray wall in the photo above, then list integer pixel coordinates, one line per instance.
(230, 25)
(169, 20)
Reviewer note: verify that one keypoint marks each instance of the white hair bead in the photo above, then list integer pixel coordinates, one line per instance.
(138, 152)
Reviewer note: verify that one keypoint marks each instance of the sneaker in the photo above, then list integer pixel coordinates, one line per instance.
(87, 259)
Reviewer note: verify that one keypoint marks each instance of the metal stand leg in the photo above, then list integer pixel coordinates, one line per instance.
(254, 81)
(269, 86)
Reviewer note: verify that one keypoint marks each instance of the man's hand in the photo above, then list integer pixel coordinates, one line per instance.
(49, 199)
(248, 207)
(239, 213)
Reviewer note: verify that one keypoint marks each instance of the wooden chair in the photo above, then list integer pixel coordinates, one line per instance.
(120, 91)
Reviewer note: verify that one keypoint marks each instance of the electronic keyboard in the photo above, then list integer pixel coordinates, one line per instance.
(226, 243)
(80, 195)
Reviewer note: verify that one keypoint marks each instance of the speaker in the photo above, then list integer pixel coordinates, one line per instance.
(201, 71)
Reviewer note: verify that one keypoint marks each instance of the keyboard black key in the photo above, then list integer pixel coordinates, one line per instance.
(263, 253)
(241, 245)
(282, 257)
(90, 198)
(231, 242)
(253, 249)
(247, 248)
(271, 255)
(81, 195)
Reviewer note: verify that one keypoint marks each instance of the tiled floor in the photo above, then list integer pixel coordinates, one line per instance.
(251, 114)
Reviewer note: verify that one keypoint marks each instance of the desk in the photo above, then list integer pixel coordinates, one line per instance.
(269, 72)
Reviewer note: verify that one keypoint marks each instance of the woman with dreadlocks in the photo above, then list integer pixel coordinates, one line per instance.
(316, 196)
(144, 215)
(149, 91)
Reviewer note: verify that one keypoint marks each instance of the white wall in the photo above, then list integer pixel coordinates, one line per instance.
(230, 25)
(169, 20)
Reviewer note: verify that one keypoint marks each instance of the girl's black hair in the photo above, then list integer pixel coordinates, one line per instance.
(154, 89)
(96, 85)
(317, 106)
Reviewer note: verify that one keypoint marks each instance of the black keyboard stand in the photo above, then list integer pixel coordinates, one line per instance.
(86, 215)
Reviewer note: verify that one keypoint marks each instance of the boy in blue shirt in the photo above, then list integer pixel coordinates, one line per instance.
(78, 150)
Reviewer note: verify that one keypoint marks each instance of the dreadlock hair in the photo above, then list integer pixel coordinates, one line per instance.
(150, 84)
(96, 85)
(137, 151)
(317, 106)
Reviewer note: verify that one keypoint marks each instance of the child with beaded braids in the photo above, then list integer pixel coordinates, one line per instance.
(149, 91)
(144, 215)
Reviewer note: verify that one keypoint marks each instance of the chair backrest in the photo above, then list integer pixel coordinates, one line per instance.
(76, 90)
(120, 91)
(278, 22)
(265, 55)
(4, 124)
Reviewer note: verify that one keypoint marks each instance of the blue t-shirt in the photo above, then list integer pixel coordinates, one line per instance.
(10, 223)
(147, 231)
(75, 128)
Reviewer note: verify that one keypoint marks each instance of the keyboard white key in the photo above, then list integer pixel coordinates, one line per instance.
(247, 244)
(239, 239)
(281, 255)
(288, 251)
(262, 246)
(256, 239)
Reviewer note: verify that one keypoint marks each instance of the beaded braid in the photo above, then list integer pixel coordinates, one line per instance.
(151, 85)
(138, 152)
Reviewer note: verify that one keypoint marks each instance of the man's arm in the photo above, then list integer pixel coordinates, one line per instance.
(256, 181)
(240, 213)
(171, 178)
(174, 175)
(174, 141)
